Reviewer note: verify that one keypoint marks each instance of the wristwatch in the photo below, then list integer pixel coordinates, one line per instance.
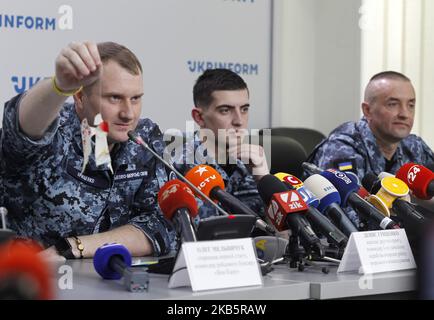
(64, 248)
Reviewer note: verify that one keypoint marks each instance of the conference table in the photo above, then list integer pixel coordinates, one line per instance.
(282, 283)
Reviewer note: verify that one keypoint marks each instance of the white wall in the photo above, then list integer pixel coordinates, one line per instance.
(399, 35)
(316, 63)
(325, 51)
(294, 43)
(165, 35)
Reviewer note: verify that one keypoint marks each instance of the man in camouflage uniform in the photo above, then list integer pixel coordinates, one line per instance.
(48, 197)
(381, 140)
(221, 100)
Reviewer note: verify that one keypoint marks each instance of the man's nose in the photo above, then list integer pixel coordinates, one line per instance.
(237, 119)
(127, 110)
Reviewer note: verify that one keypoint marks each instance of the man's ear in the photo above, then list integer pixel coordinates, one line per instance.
(366, 108)
(197, 115)
(78, 99)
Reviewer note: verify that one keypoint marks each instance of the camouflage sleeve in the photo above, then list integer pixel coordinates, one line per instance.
(148, 217)
(147, 214)
(340, 154)
(18, 149)
(428, 155)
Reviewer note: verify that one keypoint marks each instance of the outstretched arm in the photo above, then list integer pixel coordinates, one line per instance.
(77, 65)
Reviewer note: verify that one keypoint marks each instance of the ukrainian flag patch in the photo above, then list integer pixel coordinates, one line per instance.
(345, 166)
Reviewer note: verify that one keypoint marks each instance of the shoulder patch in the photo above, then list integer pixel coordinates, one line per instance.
(345, 165)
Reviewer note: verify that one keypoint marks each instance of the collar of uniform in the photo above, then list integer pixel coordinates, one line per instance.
(371, 146)
(374, 155)
(129, 152)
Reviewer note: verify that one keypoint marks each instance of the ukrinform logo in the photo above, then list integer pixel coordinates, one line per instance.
(200, 66)
(24, 83)
(65, 21)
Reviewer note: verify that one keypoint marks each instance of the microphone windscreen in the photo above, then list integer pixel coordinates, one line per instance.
(369, 180)
(353, 177)
(324, 190)
(417, 177)
(342, 182)
(22, 261)
(205, 178)
(269, 185)
(308, 196)
(289, 179)
(383, 175)
(175, 195)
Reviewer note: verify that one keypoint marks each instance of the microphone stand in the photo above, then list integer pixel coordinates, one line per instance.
(301, 258)
(5, 233)
(138, 140)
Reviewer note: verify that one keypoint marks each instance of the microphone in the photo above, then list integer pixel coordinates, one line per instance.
(419, 179)
(113, 261)
(371, 183)
(311, 168)
(392, 192)
(210, 182)
(285, 208)
(293, 183)
(384, 175)
(316, 218)
(330, 201)
(178, 204)
(24, 274)
(138, 140)
(348, 191)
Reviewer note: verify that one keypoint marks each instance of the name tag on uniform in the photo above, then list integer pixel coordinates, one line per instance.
(130, 175)
(97, 182)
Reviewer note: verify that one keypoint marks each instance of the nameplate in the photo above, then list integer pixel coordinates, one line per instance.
(219, 264)
(377, 251)
(94, 181)
(130, 175)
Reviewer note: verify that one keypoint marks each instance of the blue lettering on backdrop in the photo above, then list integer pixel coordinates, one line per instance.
(27, 22)
(240, 68)
(23, 83)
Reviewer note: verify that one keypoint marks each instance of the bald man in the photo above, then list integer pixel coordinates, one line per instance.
(381, 140)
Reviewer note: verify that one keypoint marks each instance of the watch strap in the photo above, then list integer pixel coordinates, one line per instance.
(64, 248)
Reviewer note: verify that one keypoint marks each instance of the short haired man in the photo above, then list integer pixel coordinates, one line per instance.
(381, 140)
(48, 196)
(221, 110)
